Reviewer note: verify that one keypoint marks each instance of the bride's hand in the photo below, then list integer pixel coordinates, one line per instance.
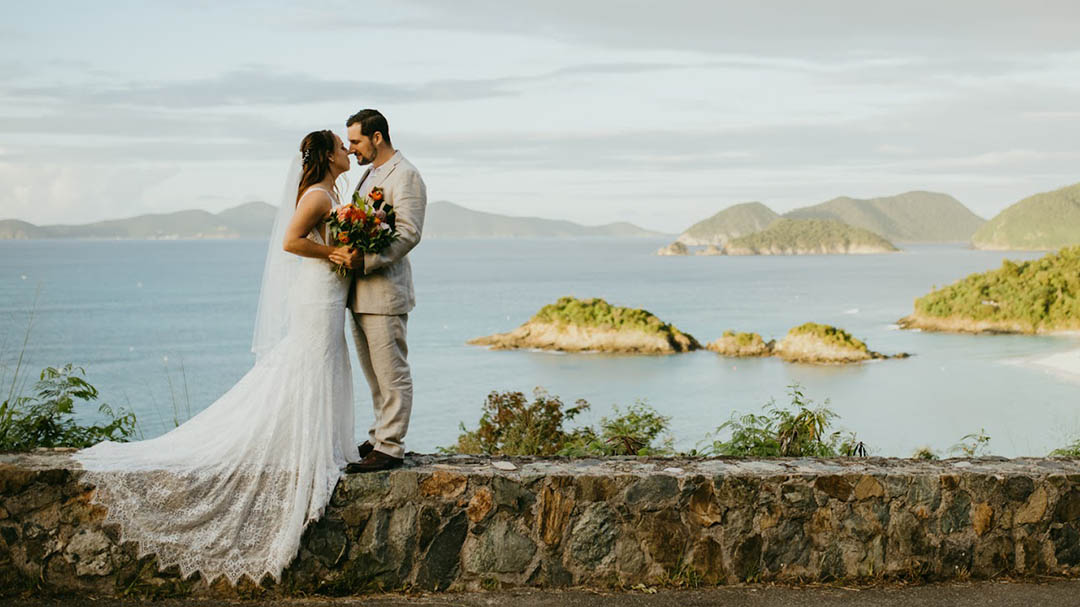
(341, 256)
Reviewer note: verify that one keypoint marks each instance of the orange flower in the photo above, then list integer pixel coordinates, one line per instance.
(377, 221)
(376, 194)
(343, 238)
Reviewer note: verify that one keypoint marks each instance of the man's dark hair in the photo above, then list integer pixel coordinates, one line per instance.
(371, 121)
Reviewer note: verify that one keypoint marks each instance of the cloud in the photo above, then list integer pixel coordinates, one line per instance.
(838, 28)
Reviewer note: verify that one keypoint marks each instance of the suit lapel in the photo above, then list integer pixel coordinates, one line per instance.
(361, 182)
(393, 162)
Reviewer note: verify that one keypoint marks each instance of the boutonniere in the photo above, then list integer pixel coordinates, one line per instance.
(376, 196)
(378, 202)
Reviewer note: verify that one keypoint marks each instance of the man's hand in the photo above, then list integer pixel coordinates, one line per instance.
(347, 257)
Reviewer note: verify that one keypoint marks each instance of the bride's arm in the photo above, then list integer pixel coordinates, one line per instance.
(311, 210)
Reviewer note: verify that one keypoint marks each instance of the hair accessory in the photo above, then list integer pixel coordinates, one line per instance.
(307, 155)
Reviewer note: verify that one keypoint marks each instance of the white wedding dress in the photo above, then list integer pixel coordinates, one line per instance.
(230, 491)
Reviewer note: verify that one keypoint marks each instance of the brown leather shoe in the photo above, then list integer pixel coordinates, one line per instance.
(374, 462)
(365, 448)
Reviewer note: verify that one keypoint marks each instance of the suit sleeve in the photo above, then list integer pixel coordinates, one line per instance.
(410, 203)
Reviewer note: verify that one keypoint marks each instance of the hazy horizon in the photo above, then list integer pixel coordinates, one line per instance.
(594, 113)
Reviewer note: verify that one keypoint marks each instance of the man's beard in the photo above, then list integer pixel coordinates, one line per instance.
(362, 160)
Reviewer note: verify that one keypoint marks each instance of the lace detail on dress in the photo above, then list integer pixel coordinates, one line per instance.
(230, 491)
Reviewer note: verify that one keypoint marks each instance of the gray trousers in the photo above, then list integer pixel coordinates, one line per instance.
(381, 347)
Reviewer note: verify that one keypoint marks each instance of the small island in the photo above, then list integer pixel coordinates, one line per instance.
(807, 343)
(593, 325)
(1031, 297)
(810, 237)
(741, 345)
(675, 248)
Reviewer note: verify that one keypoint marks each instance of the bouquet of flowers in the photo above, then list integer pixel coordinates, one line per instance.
(367, 224)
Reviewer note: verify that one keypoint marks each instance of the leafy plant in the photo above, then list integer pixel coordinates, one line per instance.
(1070, 450)
(799, 429)
(975, 444)
(45, 419)
(511, 425)
(631, 433)
(925, 453)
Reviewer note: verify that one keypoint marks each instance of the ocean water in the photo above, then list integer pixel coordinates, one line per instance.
(164, 327)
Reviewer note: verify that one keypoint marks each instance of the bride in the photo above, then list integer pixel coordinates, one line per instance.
(230, 491)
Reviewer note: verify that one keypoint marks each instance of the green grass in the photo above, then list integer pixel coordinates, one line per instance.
(1041, 294)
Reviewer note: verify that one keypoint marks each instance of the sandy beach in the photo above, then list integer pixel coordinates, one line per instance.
(1063, 364)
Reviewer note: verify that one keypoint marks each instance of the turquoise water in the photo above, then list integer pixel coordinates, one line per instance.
(161, 322)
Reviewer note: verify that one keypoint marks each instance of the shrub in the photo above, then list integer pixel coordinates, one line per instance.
(1070, 450)
(45, 418)
(632, 433)
(796, 430)
(511, 425)
(975, 444)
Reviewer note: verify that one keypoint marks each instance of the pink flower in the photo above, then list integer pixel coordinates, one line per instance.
(343, 213)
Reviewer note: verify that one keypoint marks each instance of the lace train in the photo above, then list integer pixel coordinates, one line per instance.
(230, 491)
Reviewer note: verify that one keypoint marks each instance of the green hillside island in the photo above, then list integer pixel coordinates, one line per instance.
(582, 325)
(809, 237)
(737, 344)
(1038, 296)
(807, 343)
(732, 222)
(449, 220)
(1045, 221)
(908, 217)
(249, 220)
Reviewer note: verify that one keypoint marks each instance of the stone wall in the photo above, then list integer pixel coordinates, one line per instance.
(459, 522)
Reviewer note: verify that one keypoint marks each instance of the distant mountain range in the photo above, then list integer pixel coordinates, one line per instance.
(908, 217)
(449, 220)
(732, 222)
(249, 220)
(1049, 220)
(254, 220)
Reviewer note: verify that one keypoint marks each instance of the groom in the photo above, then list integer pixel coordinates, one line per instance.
(382, 291)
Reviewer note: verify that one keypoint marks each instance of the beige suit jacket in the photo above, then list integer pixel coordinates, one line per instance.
(386, 286)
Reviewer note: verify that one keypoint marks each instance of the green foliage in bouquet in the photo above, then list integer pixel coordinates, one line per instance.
(1039, 295)
(45, 418)
(796, 430)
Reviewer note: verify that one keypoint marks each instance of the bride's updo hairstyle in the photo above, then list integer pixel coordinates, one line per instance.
(316, 149)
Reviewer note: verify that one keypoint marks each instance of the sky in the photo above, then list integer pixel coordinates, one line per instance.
(657, 113)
